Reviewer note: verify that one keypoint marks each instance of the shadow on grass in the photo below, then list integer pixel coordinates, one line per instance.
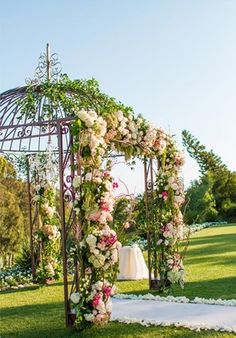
(224, 288)
(33, 287)
(27, 288)
(50, 326)
(213, 260)
(47, 320)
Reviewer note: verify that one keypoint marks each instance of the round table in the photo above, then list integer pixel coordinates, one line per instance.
(131, 263)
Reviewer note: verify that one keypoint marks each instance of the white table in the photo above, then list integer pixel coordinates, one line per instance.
(131, 264)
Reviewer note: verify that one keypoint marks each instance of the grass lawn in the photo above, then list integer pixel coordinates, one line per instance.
(211, 273)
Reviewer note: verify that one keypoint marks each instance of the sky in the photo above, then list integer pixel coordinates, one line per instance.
(174, 61)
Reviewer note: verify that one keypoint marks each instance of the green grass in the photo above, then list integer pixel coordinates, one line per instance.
(210, 266)
(211, 263)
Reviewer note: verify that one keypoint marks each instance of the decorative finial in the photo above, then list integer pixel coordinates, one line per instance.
(49, 67)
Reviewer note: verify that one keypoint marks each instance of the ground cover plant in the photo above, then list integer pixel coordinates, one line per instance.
(38, 311)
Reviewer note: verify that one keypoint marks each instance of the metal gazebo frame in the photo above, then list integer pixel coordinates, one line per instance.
(20, 134)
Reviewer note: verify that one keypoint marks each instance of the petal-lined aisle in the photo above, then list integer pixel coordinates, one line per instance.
(193, 316)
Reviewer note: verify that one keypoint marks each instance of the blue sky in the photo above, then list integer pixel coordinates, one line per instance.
(172, 60)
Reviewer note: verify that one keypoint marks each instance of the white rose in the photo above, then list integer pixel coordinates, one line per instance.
(82, 114)
(88, 177)
(97, 261)
(89, 317)
(93, 115)
(88, 122)
(98, 285)
(91, 240)
(76, 181)
(171, 180)
(75, 297)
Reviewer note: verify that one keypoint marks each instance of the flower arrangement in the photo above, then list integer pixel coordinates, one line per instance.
(97, 246)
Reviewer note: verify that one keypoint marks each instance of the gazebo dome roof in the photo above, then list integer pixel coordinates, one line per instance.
(20, 132)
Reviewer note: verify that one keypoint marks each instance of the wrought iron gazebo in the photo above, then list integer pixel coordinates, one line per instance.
(22, 133)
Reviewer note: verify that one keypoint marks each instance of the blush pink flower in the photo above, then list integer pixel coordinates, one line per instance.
(105, 206)
(127, 225)
(106, 174)
(94, 216)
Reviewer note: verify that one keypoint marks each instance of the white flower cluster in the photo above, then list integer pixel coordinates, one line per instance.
(95, 133)
(198, 227)
(103, 248)
(196, 300)
(14, 278)
(101, 302)
(51, 231)
(185, 324)
(51, 264)
(98, 132)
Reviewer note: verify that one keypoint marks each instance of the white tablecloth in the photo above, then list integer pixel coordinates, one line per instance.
(132, 264)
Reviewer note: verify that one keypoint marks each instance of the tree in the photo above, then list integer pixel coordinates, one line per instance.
(14, 210)
(207, 160)
(216, 179)
(201, 202)
(11, 225)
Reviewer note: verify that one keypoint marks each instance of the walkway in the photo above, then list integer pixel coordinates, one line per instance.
(194, 316)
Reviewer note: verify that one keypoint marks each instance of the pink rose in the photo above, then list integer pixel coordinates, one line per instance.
(107, 291)
(96, 300)
(164, 195)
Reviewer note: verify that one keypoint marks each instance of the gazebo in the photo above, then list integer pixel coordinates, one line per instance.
(52, 115)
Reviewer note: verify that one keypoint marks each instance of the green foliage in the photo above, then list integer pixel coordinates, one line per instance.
(201, 202)
(11, 223)
(69, 95)
(123, 219)
(13, 216)
(210, 272)
(213, 197)
(207, 160)
(23, 260)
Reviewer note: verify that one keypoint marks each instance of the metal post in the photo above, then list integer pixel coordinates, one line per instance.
(48, 57)
(72, 170)
(63, 224)
(30, 221)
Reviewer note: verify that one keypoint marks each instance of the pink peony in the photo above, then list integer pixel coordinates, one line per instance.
(107, 291)
(96, 300)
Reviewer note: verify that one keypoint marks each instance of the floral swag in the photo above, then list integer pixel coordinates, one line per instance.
(97, 245)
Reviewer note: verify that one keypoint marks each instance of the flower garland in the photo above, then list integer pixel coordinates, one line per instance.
(183, 299)
(96, 244)
(187, 325)
(43, 171)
